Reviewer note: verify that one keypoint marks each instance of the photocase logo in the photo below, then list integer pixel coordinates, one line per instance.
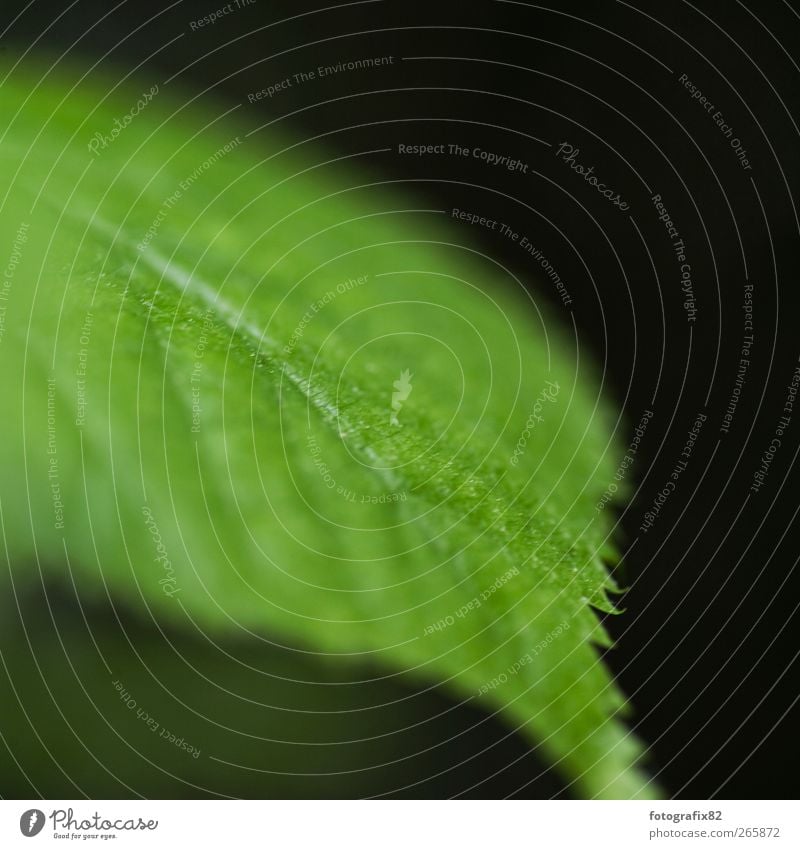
(31, 822)
(403, 387)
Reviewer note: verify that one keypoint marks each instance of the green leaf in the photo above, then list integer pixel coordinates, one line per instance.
(255, 387)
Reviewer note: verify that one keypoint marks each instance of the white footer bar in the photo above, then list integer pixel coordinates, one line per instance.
(400, 824)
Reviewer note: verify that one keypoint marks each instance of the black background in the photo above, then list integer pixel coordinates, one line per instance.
(707, 648)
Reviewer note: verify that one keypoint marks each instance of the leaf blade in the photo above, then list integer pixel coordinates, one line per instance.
(293, 390)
